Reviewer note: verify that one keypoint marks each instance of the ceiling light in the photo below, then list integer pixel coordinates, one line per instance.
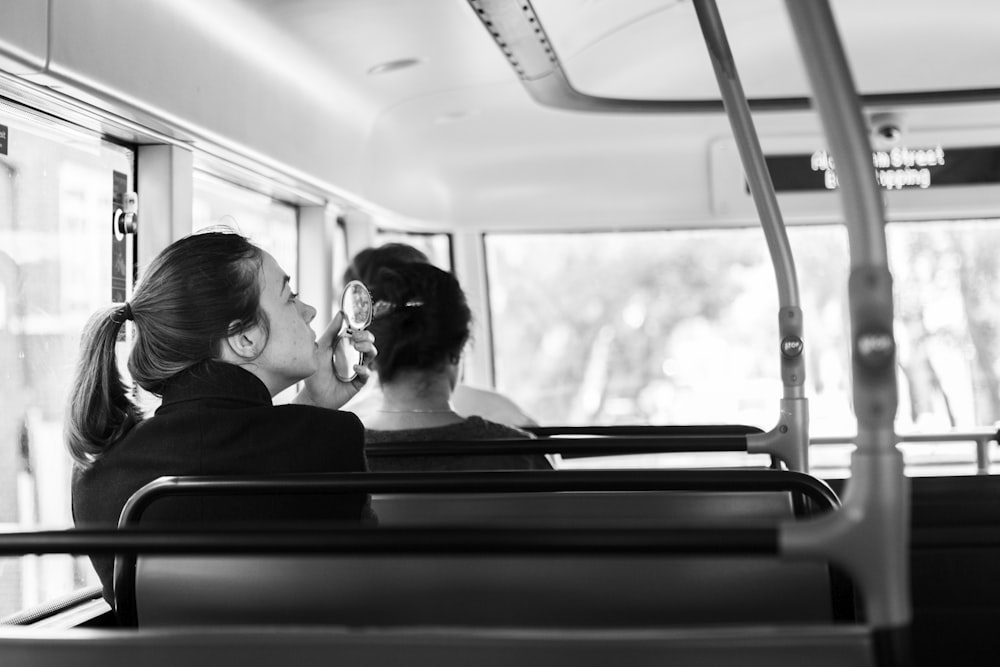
(394, 65)
(455, 116)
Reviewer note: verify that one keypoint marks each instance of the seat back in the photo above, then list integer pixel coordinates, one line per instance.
(469, 588)
(584, 508)
(475, 590)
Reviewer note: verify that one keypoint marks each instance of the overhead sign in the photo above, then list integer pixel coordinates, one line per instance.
(899, 168)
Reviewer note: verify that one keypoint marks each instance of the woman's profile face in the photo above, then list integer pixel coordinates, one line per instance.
(290, 353)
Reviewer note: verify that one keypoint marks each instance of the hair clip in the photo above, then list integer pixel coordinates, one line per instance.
(381, 308)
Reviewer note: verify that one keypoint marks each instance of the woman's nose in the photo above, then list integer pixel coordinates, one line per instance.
(308, 312)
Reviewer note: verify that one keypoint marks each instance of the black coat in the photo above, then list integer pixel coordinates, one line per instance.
(218, 419)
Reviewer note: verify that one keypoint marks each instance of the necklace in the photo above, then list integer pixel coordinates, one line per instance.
(428, 412)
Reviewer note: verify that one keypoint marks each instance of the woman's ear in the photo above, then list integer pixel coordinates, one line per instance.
(245, 343)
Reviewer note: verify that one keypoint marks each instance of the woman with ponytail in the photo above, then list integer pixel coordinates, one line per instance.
(422, 322)
(217, 333)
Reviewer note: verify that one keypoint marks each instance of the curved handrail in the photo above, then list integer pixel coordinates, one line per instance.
(789, 438)
(486, 482)
(701, 540)
(869, 537)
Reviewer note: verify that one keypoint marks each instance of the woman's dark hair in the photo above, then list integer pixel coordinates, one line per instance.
(367, 263)
(197, 292)
(422, 319)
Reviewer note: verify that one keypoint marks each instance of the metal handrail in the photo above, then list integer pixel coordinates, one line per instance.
(788, 440)
(366, 540)
(981, 437)
(565, 442)
(660, 430)
(485, 482)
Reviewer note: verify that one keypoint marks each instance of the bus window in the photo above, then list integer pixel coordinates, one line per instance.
(269, 223)
(436, 246)
(339, 261)
(56, 194)
(596, 360)
(648, 328)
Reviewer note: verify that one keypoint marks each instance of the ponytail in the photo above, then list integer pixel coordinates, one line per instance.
(100, 410)
(185, 306)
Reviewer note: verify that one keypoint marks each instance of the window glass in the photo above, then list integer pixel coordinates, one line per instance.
(269, 223)
(947, 322)
(663, 327)
(340, 260)
(437, 247)
(678, 328)
(56, 194)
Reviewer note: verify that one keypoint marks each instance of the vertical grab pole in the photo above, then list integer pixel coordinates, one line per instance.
(789, 439)
(869, 536)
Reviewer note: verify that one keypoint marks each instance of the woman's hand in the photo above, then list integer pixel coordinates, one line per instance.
(324, 388)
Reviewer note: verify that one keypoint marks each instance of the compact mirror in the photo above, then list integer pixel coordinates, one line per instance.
(356, 304)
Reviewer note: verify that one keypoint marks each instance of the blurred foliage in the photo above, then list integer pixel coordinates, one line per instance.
(948, 314)
(681, 327)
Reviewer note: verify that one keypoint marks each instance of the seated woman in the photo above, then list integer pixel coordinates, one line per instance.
(422, 323)
(217, 333)
(466, 399)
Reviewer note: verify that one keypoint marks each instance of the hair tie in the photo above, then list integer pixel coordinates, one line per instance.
(122, 314)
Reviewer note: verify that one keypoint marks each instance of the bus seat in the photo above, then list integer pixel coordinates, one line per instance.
(574, 590)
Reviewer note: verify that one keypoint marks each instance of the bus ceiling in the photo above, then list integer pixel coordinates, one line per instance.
(623, 58)
(437, 121)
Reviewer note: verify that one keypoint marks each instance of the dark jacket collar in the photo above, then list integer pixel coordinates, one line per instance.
(216, 380)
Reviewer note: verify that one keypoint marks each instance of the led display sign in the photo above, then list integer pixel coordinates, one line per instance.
(898, 168)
